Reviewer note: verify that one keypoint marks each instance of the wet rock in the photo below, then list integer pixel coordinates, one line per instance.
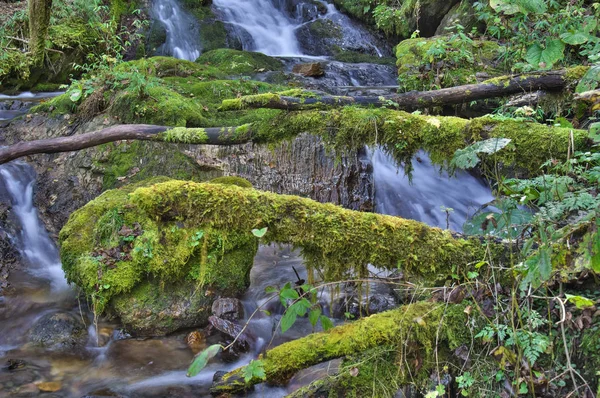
(49, 386)
(313, 69)
(59, 331)
(230, 309)
(231, 330)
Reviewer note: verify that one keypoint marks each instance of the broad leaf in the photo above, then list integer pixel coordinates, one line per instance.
(288, 320)
(313, 316)
(504, 6)
(544, 58)
(589, 81)
(575, 38)
(202, 359)
(532, 6)
(255, 369)
(75, 95)
(326, 322)
(259, 233)
(579, 301)
(467, 158)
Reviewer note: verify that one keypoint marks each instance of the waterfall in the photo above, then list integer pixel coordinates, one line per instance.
(261, 26)
(182, 30)
(429, 194)
(32, 241)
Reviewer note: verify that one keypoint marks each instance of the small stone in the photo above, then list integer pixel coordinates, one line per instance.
(49, 386)
(314, 69)
(227, 308)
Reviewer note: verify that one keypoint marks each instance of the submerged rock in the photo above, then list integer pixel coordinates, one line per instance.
(59, 331)
(230, 309)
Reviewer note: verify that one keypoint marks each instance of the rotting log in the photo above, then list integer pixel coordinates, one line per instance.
(417, 330)
(401, 133)
(493, 88)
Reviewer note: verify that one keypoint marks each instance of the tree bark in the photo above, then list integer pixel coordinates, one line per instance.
(498, 87)
(39, 20)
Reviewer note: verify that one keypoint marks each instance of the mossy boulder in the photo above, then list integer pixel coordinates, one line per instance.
(462, 14)
(439, 62)
(235, 62)
(156, 275)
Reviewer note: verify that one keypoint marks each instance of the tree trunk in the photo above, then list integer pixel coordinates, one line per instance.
(498, 87)
(39, 20)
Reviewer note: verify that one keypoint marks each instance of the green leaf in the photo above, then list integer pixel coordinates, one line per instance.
(531, 6)
(313, 316)
(544, 58)
(589, 81)
(326, 322)
(595, 131)
(575, 38)
(270, 289)
(467, 158)
(75, 95)
(255, 369)
(202, 359)
(288, 320)
(289, 294)
(504, 6)
(259, 233)
(579, 301)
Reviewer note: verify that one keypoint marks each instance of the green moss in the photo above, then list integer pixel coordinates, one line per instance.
(161, 106)
(232, 180)
(191, 229)
(138, 161)
(461, 61)
(234, 62)
(423, 333)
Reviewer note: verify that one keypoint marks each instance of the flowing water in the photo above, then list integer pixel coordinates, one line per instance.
(182, 30)
(432, 196)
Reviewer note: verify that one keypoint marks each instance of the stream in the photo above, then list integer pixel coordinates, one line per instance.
(106, 361)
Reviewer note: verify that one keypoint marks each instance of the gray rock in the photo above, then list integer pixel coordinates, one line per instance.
(228, 308)
(59, 331)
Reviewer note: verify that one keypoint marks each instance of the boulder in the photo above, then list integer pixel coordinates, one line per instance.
(59, 331)
(313, 69)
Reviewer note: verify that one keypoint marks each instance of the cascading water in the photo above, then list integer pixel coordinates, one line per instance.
(32, 241)
(429, 195)
(182, 30)
(261, 26)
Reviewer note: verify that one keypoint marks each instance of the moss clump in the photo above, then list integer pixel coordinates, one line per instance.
(410, 334)
(161, 105)
(235, 62)
(232, 180)
(453, 62)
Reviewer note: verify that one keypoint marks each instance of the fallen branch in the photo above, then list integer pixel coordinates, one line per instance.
(498, 87)
(143, 132)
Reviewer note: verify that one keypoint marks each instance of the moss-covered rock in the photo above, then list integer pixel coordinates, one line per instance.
(426, 64)
(235, 62)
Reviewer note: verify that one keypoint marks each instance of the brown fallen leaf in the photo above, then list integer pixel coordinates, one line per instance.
(49, 386)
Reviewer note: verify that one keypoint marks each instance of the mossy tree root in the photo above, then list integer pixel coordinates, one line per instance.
(416, 330)
(498, 87)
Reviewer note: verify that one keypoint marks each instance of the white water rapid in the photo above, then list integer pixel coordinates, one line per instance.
(429, 194)
(182, 30)
(32, 241)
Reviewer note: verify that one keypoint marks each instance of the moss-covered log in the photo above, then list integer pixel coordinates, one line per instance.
(347, 129)
(416, 331)
(176, 230)
(498, 87)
